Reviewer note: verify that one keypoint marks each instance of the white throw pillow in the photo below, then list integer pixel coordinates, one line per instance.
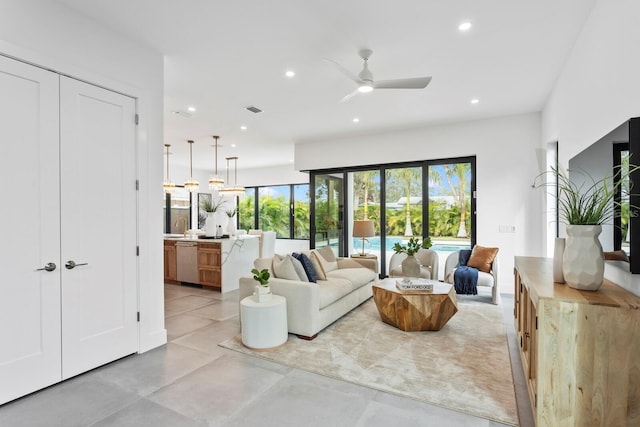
(316, 265)
(326, 265)
(284, 268)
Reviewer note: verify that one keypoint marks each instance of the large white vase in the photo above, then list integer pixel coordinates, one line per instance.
(210, 225)
(231, 226)
(583, 261)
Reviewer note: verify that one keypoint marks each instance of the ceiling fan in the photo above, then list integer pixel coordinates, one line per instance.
(366, 83)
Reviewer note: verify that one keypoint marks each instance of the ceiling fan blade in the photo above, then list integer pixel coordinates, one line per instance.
(413, 83)
(349, 96)
(344, 71)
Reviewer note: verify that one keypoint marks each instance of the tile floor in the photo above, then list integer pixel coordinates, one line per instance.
(193, 382)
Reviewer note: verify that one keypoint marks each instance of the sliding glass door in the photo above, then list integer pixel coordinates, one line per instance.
(431, 198)
(328, 212)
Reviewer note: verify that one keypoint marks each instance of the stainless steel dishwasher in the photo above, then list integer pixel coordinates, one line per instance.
(187, 261)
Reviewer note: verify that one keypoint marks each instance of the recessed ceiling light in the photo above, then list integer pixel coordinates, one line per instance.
(475, 100)
(192, 109)
(465, 26)
(233, 145)
(290, 160)
(290, 73)
(356, 120)
(243, 127)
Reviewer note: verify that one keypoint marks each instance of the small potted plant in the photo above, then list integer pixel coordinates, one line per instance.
(410, 265)
(263, 290)
(210, 206)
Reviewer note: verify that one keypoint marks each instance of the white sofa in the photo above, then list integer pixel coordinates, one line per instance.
(312, 307)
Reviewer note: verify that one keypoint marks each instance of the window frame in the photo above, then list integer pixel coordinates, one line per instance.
(256, 206)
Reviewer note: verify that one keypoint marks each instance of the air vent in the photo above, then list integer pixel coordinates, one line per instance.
(254, 109)
(181, 113)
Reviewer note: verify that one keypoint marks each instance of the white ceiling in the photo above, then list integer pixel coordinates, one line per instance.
(222, 56)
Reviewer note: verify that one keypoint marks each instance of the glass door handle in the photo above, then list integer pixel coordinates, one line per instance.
(70, 265)
(49, 267)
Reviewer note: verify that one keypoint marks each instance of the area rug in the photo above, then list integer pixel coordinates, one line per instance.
(465, 366)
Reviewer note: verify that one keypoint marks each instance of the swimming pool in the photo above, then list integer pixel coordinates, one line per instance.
(373, 244)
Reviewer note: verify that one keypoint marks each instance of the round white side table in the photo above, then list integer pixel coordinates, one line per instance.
(264, 324)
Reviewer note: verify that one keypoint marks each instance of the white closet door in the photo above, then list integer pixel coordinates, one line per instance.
(98, 225)
(30, 218)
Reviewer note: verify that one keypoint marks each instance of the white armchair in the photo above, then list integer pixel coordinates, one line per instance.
(427, 258)
(484, 279)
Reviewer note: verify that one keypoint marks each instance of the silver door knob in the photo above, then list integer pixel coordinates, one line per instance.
(49, 267)
(70, 265)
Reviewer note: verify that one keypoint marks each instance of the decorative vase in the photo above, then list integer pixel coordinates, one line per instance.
(231, 226)
(583, 260)
(262, 293)
(210, 225)
(410, 267)
(558, 252)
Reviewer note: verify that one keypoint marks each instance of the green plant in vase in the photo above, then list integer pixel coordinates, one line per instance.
(410, 265)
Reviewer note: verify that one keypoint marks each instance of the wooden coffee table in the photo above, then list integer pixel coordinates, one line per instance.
(415, 310)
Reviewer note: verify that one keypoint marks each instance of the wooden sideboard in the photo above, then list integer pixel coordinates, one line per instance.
(580, 350)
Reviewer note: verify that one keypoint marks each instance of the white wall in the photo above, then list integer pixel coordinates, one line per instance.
(506, 164)
(48, 34)
(598, 88)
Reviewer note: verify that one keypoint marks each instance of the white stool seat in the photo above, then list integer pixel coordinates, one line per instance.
(264, 324)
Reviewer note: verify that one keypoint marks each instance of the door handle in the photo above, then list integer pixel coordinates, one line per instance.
(49, 267)
(70, 265)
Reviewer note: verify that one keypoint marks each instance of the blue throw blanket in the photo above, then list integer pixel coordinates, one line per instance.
(465, 279)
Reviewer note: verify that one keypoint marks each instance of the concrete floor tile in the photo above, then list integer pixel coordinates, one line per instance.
(183, 324)
(80, 401)
(301, 401)
(207, 339)
(148, 372)
(219, 310)
(144, 413)
(185, 303)
(218, 390)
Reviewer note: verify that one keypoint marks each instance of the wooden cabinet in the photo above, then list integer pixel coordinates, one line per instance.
(580, 350)
(170, 264)
(209, 264)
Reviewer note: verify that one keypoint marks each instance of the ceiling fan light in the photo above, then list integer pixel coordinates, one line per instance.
(365, 87)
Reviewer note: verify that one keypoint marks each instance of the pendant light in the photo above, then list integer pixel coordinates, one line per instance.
(235, 190)
(191, 185)
(216, 182)
(168, 185)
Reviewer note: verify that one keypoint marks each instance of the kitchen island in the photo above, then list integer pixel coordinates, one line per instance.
(213, 263)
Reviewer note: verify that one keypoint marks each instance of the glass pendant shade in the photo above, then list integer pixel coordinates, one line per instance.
(235, 189)
(216, 182)
(191, 185)
(168, 186)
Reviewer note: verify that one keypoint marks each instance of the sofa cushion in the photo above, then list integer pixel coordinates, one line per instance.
(287, 267)
(356, 276)
(313, 257)
(327, 253)
(481, 258)
(330, 291)
(307, 265)
(325, 264)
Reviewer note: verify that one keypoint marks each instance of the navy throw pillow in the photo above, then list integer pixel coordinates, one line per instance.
(464, 256)
(307, 265)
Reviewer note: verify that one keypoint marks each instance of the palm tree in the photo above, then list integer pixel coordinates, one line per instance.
(460, 171)
(364, 184)
(408, 176)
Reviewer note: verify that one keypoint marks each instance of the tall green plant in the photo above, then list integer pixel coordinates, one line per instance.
(590, 203)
